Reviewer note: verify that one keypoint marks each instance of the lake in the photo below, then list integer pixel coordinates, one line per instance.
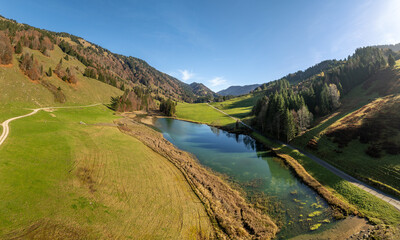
(249, 165)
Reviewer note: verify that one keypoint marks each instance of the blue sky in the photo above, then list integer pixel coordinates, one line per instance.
(220, 43)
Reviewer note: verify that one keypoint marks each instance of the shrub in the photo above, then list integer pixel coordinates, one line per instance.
(6, 49)
(31, 67)
(374, 151)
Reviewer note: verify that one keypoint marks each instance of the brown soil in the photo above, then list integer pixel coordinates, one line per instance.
(340, 208)
(232, 216)
(6, 65)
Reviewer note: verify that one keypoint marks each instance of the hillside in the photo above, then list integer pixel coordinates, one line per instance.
(299, 76)
(363, 133)
(238, 90)
(69, 173)
(96, 62)
(19, 92)
(200, 89)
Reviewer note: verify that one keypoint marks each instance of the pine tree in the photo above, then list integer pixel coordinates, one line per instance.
(289, 126)
(391, 60)
(18, 48)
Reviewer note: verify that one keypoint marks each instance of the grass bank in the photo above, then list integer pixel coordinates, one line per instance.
(375, 209)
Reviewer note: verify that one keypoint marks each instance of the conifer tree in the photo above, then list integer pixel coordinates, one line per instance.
(391, 60)
(289, 126)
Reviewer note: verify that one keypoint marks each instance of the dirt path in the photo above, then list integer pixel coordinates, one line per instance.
(5, 124)
(394, 202)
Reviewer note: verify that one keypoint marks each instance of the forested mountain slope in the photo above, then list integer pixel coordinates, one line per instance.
(89, 60)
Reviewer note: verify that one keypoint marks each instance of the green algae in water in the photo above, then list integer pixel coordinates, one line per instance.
(325, 221)
(315, 205)
(313, 214)
(315, 226)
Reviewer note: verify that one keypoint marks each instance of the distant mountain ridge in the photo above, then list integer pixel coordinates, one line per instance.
(202, 90)
(238, 90)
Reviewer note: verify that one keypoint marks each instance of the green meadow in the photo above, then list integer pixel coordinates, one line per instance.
(202, 113)
(71, 174)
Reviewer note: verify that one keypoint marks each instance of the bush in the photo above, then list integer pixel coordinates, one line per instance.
(31, 67)
(374, 151)
(18, 48)
(6, 49)
(168, 107)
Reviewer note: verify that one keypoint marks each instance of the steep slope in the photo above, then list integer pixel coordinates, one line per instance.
(363, 133)
(238, 90)
(19, 92)
(299, 76)
(99, 63)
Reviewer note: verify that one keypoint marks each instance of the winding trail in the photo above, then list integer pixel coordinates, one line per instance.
(5, 124)
(385, 197)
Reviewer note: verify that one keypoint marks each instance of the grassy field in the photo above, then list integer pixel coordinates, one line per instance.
(202, 113)
(239, 107)
(63, 180)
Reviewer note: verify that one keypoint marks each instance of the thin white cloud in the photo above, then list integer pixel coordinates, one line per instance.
(217, 81)
(186, 75)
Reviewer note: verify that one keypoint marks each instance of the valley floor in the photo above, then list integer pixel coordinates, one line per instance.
(71, 174)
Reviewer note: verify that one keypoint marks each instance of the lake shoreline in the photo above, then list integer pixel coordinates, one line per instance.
(229, 212)
(299, 171)
(343, 210)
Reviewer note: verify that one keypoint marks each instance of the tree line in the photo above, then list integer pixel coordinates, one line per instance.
(133, 100)
(286, 110)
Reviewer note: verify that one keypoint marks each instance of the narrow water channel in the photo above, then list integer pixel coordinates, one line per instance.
(249, 165)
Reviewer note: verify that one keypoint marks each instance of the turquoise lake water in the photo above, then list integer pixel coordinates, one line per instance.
(251, 166)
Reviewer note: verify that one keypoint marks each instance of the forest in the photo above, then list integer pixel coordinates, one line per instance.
(288, 109)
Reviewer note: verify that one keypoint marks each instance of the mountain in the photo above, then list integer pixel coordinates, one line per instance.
(299, 76)
(200, 89)
(96, 62)
(238, 90)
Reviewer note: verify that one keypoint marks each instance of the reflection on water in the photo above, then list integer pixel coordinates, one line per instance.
(264, 179)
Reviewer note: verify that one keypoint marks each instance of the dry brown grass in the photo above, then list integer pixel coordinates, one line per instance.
(49, 229)
(233, 217)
